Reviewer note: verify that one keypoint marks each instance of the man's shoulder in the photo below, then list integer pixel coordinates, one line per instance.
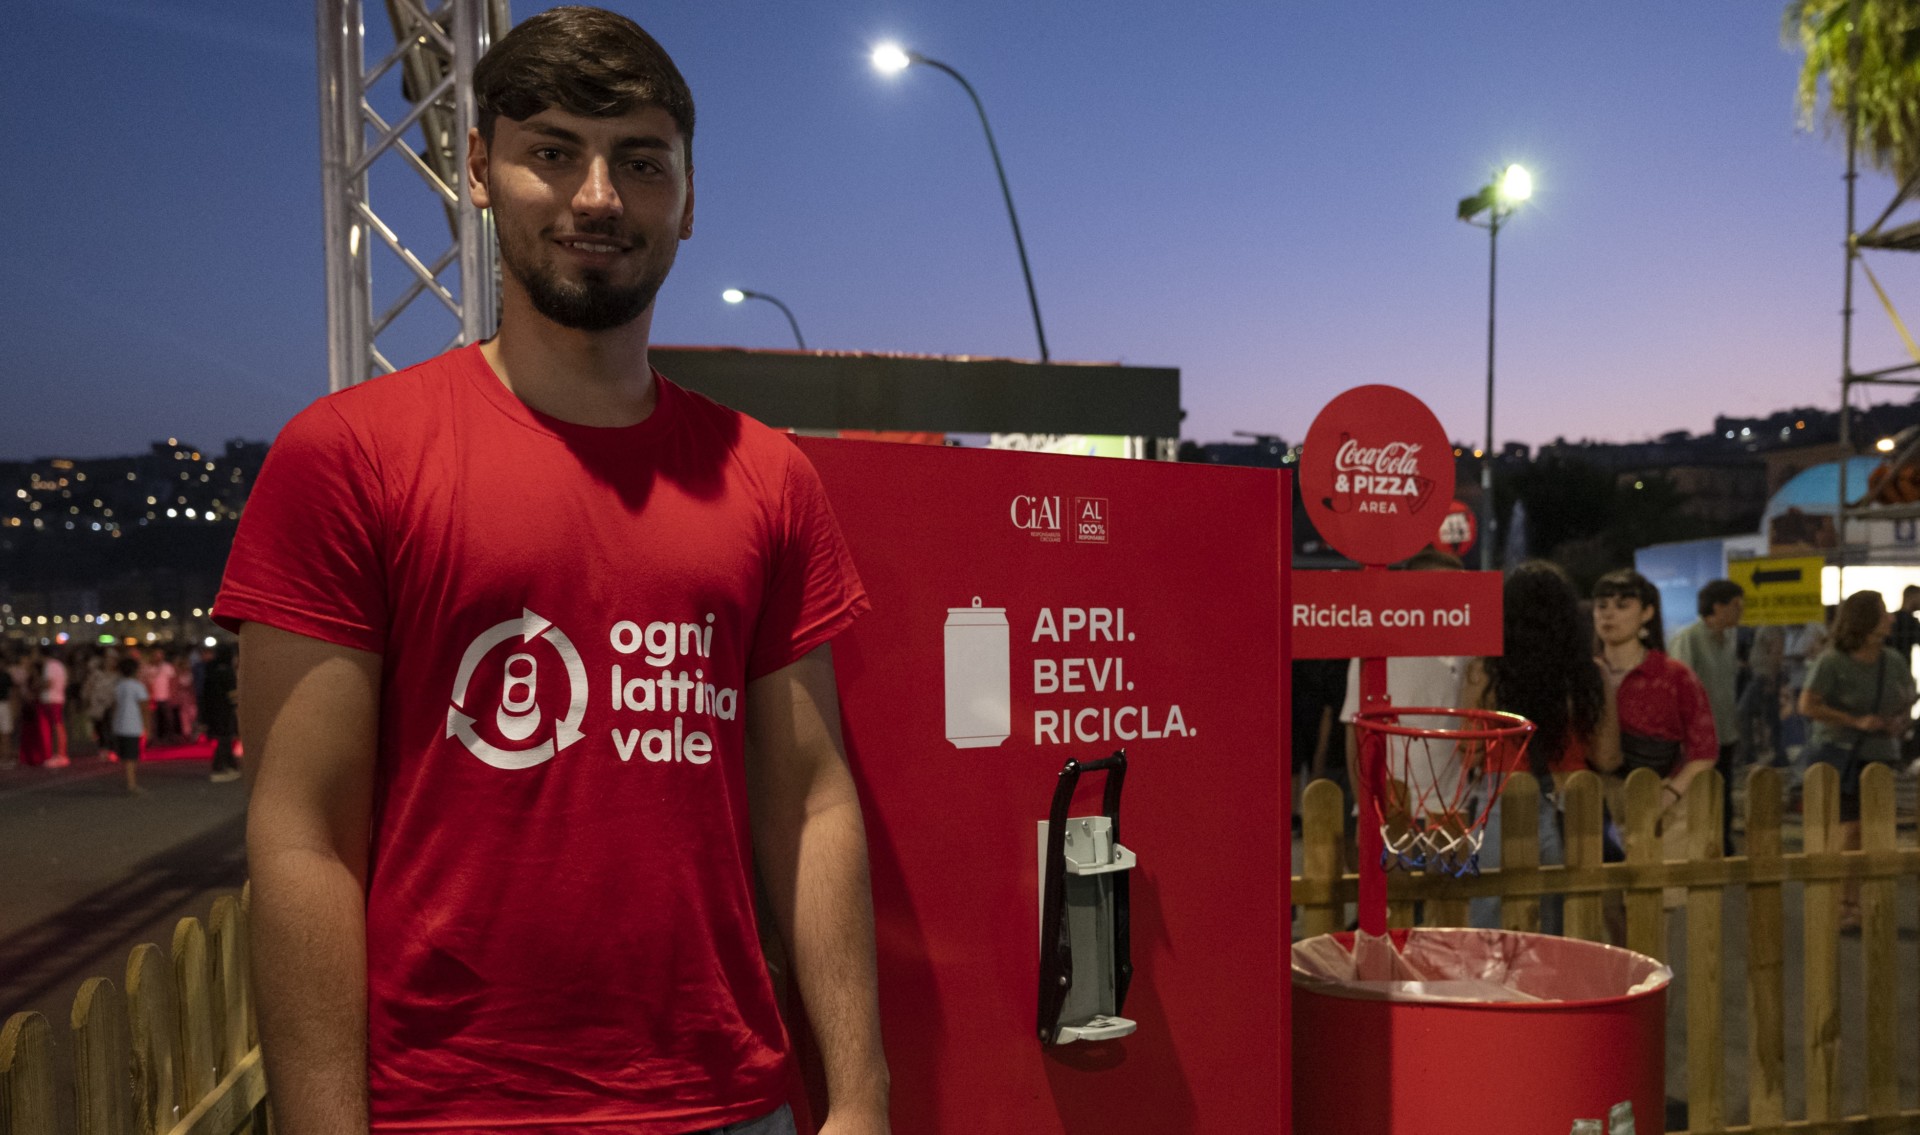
(741, 436)
(391, 401)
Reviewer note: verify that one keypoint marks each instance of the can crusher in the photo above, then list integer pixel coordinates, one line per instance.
(1085, 961)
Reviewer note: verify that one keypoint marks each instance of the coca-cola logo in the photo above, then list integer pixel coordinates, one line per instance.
(1373, 462)
(1395, 457)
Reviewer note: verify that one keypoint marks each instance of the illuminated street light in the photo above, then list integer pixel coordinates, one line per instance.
(741, 295)
(1884, 445)
(1496, 199)
(891, 59)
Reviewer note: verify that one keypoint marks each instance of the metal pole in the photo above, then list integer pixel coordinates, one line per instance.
(1026, 273)
(341, 37)
(784, 310)
(1846, 309)
(479, 297)
(1489, 529)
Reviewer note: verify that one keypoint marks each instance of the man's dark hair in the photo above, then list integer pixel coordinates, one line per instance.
(128, 666)
(1433, 559)
(585, 61)
(1718, 592)
(1627, 583)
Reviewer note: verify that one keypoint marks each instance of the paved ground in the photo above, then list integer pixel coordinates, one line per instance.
(88, 872)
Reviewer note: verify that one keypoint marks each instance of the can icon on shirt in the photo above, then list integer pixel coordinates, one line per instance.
(979, 676)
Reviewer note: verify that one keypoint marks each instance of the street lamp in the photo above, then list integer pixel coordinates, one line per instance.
(891, 59)
(740, 295)
(1497, 200)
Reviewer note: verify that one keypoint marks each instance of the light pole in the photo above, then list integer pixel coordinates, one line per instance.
(739, 295)
(1496, 199)
(891, 59)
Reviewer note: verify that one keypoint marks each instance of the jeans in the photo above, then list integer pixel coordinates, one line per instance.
(1484, 913)
(777, 1123)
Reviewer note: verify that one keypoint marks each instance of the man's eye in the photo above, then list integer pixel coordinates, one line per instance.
(548, 153)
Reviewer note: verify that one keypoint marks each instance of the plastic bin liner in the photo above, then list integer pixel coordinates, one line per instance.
(1480, 966)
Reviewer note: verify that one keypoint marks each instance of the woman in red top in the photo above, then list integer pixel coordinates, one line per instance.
(1665, 721)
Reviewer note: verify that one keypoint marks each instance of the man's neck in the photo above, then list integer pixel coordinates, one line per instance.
(589, 378)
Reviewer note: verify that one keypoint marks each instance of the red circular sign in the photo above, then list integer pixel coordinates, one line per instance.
(1374, 472)
(1458, 528)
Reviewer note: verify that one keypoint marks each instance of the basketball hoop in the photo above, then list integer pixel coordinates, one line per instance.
(1435, 775)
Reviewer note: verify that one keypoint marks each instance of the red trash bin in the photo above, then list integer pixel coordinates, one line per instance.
(1485, 1031)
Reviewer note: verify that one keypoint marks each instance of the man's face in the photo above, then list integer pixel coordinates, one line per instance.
(590, 211)
(1727, 615)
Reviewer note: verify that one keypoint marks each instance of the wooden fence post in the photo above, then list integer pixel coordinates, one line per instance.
(1879, 944)
(1706, 1049)
(1583, 912)
(153, 1019)
(26, 1075)
(1520, 848)
(1766, 969)
(1323, 815)
(103, 1084)
(192, 977)
(232, 997)
(1820, 813)
(1646, 918)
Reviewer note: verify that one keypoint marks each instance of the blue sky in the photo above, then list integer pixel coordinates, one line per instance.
(1258, 194)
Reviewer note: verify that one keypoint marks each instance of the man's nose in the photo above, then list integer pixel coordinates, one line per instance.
(596, 196)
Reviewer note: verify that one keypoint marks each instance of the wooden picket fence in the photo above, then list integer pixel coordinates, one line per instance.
(176, 1053)
(1323, 889)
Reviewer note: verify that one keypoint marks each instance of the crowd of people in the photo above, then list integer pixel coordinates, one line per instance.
(114, 703)
(1607, 690)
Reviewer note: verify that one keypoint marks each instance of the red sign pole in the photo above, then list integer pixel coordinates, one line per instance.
(1373, 779)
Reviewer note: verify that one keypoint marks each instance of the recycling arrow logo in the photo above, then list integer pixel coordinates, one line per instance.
(519, 720)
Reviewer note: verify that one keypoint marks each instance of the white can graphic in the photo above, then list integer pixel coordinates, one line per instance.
(979, 676)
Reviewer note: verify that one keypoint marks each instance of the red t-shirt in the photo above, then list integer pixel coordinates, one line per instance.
(560, 923)
(1661, 699)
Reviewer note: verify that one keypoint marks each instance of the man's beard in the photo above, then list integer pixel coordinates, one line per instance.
(591, 304)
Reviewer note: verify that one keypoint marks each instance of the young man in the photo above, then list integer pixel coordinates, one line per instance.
(535, 680)
(1710, 648)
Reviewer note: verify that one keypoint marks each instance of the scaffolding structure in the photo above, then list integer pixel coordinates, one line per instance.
(434, 52)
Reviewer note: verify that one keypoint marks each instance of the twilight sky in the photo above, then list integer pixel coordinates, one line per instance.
(1258, 194)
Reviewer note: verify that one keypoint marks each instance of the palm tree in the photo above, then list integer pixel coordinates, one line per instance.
(1868, 54)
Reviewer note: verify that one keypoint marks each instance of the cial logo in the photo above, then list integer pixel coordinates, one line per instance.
(1038, 516)
(533, 739)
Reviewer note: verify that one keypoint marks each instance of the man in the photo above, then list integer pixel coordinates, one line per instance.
(1906, 628)
(1710, 648)
(535, 679)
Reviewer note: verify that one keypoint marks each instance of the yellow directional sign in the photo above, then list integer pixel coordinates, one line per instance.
(1780, 592)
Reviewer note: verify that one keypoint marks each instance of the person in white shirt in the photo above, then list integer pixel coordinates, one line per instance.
(132, 721)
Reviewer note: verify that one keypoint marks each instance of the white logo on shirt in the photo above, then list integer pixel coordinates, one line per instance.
(518, 717)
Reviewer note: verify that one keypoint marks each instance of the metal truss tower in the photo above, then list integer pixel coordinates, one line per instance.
(431, 62)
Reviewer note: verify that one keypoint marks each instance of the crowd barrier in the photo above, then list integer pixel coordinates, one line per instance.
(177, 1053)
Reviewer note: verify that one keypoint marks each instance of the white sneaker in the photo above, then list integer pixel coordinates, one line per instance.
(223, 777)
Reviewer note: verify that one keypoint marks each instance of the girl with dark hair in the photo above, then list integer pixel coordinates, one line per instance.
(1857, 696)
(1546, 674)
(1666, 723)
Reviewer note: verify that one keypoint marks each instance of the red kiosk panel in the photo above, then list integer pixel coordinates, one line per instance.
(1031, 608)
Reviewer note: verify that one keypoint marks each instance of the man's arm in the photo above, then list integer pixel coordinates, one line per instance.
(308, 719)
(811, 847)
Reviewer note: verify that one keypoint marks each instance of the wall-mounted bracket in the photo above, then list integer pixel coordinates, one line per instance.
(1085, 959)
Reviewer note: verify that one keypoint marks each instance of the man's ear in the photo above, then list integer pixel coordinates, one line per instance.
(686, 215)
(477, 170)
